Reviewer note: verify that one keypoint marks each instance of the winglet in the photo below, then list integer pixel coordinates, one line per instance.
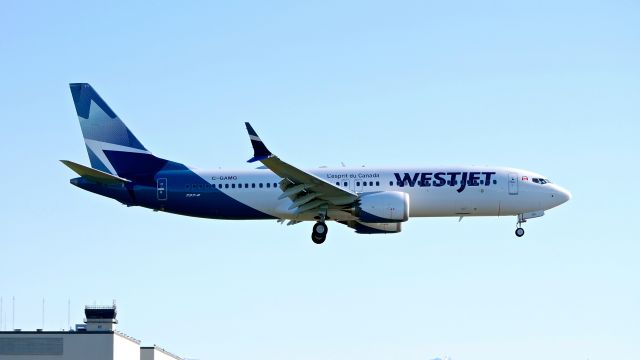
(260, 151)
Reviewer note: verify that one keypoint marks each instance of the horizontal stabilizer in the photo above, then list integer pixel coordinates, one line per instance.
(93, 174)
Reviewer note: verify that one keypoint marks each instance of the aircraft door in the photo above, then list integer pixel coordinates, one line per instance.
(513, 184)
(162, 189)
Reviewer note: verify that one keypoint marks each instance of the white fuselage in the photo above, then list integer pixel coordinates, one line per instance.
(488, 191)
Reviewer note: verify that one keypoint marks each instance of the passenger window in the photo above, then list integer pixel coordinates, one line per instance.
(268, 185)
(390, 183)
(275, 185)
(358, 183)
(233, 186)
(344, 183)
(364, 183)
(481, 182)
(370, 183)
(495, 182)
(260, 185)
(377, 183)
(226, 186)
(535, 180)
(338, 183)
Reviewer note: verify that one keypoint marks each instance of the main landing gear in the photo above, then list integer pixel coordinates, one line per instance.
(319, 233)
(519, 229)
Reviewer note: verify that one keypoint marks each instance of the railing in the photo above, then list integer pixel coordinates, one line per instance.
(100, 307)
(127, 337)
(167, 352)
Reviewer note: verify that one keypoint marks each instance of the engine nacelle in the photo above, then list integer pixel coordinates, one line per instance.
(375, 228)
(383, 207)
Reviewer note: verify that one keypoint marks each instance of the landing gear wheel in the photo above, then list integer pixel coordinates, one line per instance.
(319, 233)
(519, 232)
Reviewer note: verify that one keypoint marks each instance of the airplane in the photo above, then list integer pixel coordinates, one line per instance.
(368, 200)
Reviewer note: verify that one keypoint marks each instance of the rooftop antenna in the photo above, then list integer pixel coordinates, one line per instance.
(42, 313)
(13, 315)
(69, 313)
(1, 313)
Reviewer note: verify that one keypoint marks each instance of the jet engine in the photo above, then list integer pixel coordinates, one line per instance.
(383, 207)
(374, 228)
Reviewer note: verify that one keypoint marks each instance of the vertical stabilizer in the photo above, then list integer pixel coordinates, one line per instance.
(102, 129)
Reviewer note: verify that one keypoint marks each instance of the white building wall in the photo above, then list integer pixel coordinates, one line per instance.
(125, 348)
(76, 346)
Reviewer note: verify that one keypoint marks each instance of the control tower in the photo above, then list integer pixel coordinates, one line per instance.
(100, 318)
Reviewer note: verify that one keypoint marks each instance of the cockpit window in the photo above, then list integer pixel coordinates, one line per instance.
(541, 181)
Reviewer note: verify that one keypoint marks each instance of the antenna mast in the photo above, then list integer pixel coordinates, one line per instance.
(42, 313)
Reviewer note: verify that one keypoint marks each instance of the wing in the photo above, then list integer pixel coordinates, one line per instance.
(308, 192)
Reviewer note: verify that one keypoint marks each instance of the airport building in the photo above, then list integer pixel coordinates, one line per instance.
(96, 339)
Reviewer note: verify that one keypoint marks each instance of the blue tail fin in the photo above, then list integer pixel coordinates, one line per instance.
(112, 147)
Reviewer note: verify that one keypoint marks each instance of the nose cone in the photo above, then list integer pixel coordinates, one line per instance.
(561, 194)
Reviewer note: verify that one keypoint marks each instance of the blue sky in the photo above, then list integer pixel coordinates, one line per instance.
(547, 86)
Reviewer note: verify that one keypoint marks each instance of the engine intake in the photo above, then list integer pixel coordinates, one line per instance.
(383, 207)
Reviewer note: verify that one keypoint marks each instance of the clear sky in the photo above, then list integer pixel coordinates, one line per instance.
(549, 86)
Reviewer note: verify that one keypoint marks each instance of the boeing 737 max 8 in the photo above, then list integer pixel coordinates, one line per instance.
(369, 200)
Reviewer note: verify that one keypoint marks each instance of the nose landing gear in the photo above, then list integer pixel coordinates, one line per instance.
(519, 229)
